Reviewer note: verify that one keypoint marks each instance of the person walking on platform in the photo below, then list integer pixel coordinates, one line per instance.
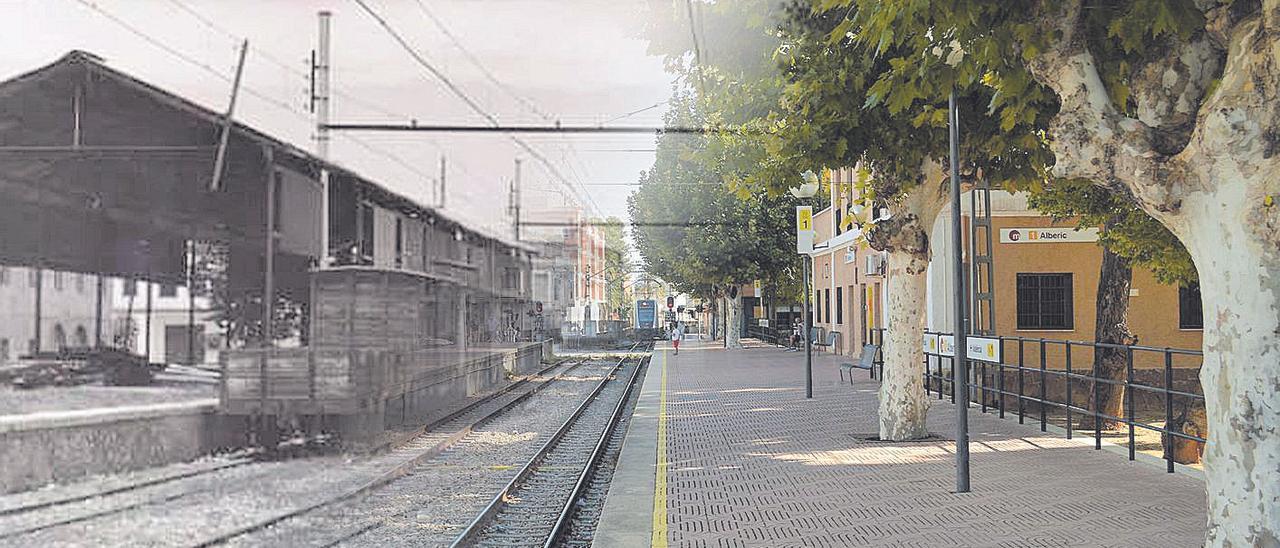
(676, 335)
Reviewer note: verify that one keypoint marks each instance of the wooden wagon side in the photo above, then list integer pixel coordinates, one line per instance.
(383, 353)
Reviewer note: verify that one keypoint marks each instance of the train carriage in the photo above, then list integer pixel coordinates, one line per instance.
(647, 319)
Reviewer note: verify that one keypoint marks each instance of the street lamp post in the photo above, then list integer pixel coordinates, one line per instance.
(804, 246)
(808, 326)
(960, 365)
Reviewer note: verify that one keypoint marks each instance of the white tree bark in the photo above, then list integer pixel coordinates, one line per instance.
(1214, 195)
(1240, 288)
(733, 319)
(903, 402)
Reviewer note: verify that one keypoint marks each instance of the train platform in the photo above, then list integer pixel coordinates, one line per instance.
(724, 450)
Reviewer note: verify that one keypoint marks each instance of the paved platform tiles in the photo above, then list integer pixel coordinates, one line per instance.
(750, 462)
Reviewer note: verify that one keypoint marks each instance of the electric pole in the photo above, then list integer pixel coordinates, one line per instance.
(442, 186)
(514, 205)
(320, 102)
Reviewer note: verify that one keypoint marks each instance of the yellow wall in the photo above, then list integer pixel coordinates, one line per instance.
(1153, 311)
(849, 278)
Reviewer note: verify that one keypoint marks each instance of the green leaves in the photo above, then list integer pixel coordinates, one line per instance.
(1142, 23)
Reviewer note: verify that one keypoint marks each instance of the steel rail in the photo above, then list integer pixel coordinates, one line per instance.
(453, 415)
(403, 468)
(473, 529)
(566, 513)
(72, 499)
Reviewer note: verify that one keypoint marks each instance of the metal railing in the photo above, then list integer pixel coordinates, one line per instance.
(1020, 380)
(771, 335)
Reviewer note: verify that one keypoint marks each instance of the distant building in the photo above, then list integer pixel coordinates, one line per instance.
(553, 275)
(571, 271)
(168, 340)
(66, 317)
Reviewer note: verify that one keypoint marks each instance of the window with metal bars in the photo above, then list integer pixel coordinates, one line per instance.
(1190, 314)
(1045, 301)
(839, 306)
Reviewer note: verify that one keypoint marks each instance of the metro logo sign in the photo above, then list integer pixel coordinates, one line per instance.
(983, 349)
(1035, 235)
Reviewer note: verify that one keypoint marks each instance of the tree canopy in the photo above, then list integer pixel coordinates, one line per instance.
(695, 235)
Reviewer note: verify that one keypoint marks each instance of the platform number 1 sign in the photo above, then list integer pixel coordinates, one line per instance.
(804, 230)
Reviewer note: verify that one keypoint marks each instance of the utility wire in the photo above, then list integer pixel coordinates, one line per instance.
(566, 150)
(471, 103)
(634, 112)
(697, 49)
(219, 74)
(413, 52)
(184, 57)
(524, 101)
(279, 62)
(295, 71)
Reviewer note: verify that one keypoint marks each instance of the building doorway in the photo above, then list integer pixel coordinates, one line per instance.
(176, 343)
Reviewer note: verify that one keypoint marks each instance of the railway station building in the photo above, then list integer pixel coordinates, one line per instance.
(335, 294)
(1044, 284)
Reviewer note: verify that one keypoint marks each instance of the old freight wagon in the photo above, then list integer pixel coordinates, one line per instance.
(386, 349)
(411, 312)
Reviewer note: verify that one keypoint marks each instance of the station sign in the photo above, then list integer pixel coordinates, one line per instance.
(946, 345)
(983, 349)
(1040, 235)
(804, 230)
(930, 345)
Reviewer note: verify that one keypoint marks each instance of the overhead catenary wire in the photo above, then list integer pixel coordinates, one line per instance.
(469, 101)
(249, 90)
(475, 61)
(568, 158)
(274, 60)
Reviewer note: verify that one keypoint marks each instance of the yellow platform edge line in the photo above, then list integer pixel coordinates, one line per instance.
(659, 537)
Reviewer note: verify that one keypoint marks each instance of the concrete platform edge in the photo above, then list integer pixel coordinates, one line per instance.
(627, 519)
(47, 420)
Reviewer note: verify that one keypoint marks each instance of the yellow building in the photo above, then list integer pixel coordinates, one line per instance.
(1044, 284)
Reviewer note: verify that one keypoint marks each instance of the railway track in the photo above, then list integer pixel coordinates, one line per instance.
(437, 438)
(46, 514)
(577, 527)
(539, 505)
(431, 504)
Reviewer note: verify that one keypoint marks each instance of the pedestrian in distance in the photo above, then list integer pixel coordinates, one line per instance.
(676, 334)
(797, 333)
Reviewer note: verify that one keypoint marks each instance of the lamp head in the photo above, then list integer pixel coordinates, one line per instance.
(809, 188)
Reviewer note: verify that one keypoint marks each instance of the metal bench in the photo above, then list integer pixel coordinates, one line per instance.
(830, 341)
(866, 360)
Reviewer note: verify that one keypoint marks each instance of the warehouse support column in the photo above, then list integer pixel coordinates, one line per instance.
(97, 315)
(269, 284)
(39, 305)
(462, 321)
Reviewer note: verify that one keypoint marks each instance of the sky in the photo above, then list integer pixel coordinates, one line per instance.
(576, 61)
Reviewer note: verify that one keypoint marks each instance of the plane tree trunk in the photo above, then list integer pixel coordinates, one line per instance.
(733, 317)
(1111, 327)
(903, 405)
(1217, 191)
